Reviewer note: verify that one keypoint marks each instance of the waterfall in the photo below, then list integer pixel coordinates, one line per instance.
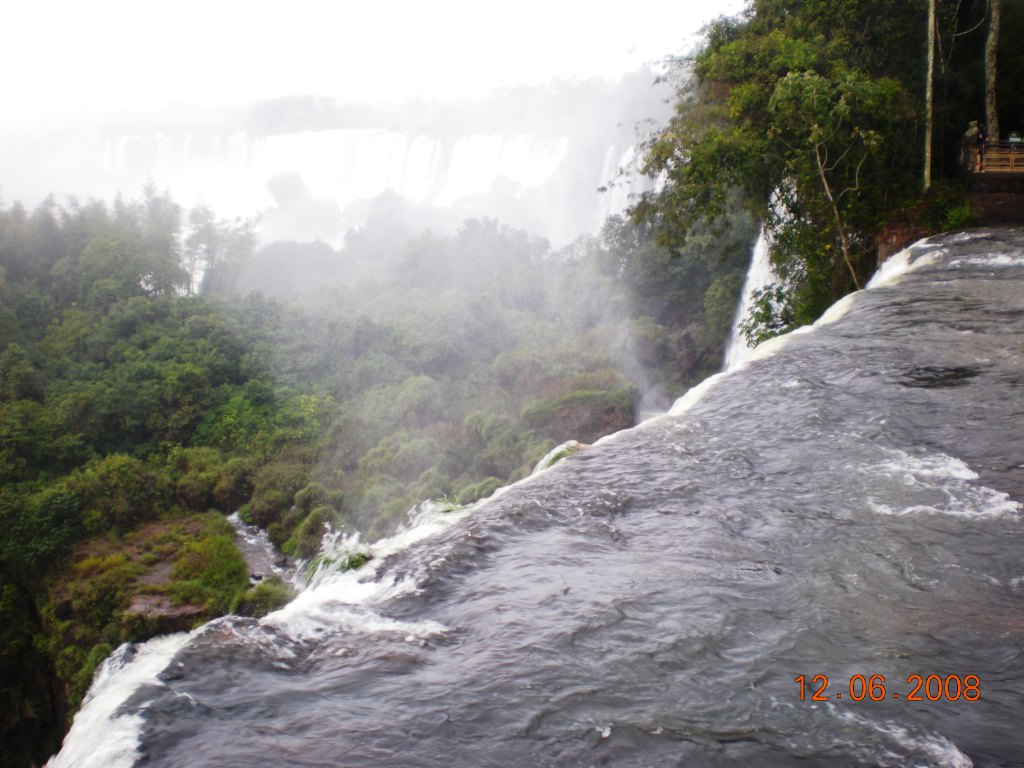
(533, 180)
(759, 275)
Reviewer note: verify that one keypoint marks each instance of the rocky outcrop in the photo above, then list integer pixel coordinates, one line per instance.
(151, 615)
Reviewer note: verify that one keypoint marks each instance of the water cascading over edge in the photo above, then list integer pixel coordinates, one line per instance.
(759, 275)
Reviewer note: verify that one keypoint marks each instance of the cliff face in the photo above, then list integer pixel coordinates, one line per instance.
(33, 711)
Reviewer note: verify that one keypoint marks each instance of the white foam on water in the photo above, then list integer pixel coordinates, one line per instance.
(899, 264)
(967, 236)
(837, 311)
(102, 735)
(260, 553)
(990, 260)
(762, 351)
(891, 270)
(343, 600)
(549, 460)
(938, 751)
(946, 487)
(695, 394)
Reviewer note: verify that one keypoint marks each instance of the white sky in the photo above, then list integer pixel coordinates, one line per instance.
(61, 56)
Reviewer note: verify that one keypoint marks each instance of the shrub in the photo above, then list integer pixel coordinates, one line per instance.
(268, 507)
(313, 494)
(265, 597)
(274, 487)
(100, 591)
(480, 490)
(433, 484)
(211, 569)
(199, 468)
(305, 542)
(118, 490)
(234, 484)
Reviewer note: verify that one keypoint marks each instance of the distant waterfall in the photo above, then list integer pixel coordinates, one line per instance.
(758, 276)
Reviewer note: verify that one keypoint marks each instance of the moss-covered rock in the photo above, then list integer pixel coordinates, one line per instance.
(587, 413)
(266, 597)
(167, 576)
(480, 490)
(558, 453)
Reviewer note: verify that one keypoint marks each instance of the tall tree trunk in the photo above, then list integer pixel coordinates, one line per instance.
(991, 55)
(929, 99)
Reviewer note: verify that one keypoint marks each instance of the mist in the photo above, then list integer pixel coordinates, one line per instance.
(436, 103)
(309, 168)
(411, 205)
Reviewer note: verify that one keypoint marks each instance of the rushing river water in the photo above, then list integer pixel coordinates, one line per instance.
(847, 504)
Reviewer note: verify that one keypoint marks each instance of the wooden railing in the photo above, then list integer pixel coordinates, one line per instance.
(995, 157)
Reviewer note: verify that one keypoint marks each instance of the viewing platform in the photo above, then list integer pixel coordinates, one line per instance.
(995, 175)
(997, 166)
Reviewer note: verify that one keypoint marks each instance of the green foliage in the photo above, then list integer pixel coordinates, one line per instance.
(958, 217)
(313, 494)
(211, 571)
(337, 562)
(114, 589)
(720, 303)
(274, 487)
(198, 470)
(433, 484)
(480, 490)
(769, 315)
(113, 268)
(419, 401)
(99, 594)
(809, 114)
(587, 406)
(38, 527)
(118, 491)
(19, 379)
(266, 597)
(234, 483)
(305, 542)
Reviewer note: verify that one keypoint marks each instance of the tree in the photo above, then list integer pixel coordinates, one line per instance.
(929, 109)
(827, 125)
(202, 245)
(161, 224)
(18, 377)
(789, 104)
(116, 266)
(991, 61)
(220, 248)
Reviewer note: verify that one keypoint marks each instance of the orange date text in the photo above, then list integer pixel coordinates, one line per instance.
(875, 688)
